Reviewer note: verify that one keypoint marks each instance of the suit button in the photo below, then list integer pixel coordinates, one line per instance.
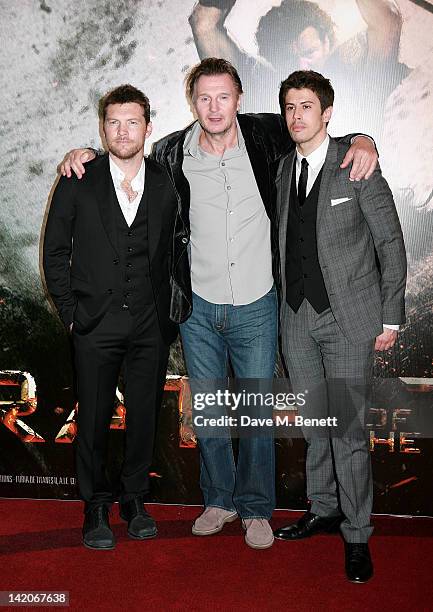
(115, 261)
(302, 220)
(184, 240)
(301, 239)
(128, 294)
(128, 280)
(304, 257)
(110, 291)
(125, 307)
(305, 275)
(130, 249)
(129, 233)
(129, 265)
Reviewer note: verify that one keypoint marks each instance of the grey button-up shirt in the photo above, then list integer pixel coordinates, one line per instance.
(230, 230)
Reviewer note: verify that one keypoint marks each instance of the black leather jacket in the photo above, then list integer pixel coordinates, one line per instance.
(266, 139)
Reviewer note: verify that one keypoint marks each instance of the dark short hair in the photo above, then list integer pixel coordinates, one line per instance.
(210, 67)
(283, 24)
(308, 79)
(124, 94)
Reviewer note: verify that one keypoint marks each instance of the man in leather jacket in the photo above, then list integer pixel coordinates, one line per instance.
(228, 490)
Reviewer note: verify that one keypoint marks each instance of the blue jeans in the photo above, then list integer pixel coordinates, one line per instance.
(248, 335)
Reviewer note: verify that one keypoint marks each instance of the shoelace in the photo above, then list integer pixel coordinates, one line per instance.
(358, 552)
(99, 514)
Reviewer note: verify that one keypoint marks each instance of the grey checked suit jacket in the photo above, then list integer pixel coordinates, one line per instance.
(364, 292)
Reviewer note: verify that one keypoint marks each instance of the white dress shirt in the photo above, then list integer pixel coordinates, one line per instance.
(315, 160)
(129, 209)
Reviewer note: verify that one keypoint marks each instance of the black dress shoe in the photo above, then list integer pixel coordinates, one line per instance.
(308, 525)
(97, 533)
(359, 567)
(141, 525)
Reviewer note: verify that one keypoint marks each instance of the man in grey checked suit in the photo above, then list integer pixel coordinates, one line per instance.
(343, 273)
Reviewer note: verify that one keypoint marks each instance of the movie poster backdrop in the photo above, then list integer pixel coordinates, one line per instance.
(57, 61)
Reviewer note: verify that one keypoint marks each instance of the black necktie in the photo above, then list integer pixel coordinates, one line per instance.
(302, 183)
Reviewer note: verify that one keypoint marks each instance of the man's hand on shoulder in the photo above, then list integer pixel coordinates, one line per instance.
(363, 157)
(386, 340)
(74, 160)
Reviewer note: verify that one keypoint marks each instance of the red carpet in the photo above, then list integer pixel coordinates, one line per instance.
(40, 549)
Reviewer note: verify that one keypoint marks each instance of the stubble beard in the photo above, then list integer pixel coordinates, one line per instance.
(124, 153)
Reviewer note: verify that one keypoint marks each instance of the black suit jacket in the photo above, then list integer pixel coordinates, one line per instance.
(80, 250)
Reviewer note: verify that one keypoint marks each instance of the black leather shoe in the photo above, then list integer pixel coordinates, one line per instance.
(359, 567)
(308, 525)
(141, 525)
(97, 532)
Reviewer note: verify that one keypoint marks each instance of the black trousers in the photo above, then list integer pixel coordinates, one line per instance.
(134, 342)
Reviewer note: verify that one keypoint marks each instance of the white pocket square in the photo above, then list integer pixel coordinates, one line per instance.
(339, 201)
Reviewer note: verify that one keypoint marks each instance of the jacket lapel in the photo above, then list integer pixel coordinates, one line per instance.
(259, 164)
(256, 150)
(283, 181)
(329, 167)
(106, 196)
(153, 200)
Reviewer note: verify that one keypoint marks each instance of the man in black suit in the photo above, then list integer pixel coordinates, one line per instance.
(106, 263)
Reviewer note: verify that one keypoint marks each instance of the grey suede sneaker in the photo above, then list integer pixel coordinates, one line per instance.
(212, 520)
(258, 533)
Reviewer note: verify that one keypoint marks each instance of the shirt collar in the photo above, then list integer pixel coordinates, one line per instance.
(191, 145)
(118, 175)
(317, 157)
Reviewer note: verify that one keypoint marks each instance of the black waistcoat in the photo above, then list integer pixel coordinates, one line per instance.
(132, 285)
(303, 274)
